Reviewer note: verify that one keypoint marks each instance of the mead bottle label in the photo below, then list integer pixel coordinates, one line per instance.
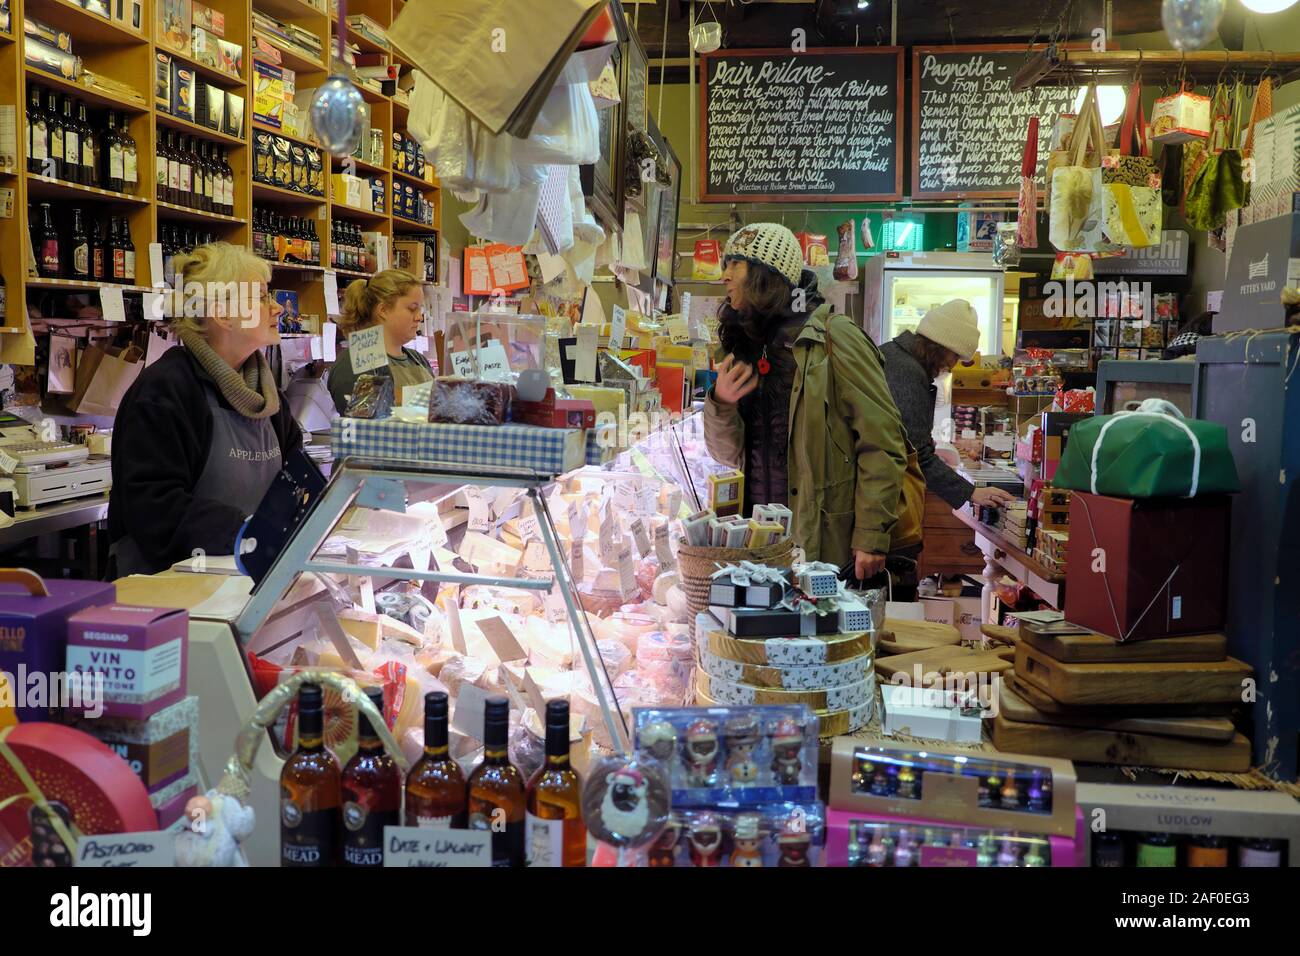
(363, 834)
(307, 838)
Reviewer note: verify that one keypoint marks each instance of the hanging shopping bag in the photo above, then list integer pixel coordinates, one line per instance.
(1261, 108)
(1152, 452)
(1075, 217)
(1180, 118)
(1171, 174)
(707, 264)
(1027, 204)
(1131, 209)
(103, 376)
(1215, 186)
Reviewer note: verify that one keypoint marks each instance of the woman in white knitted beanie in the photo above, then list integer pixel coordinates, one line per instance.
(801, 406)
(947, 334)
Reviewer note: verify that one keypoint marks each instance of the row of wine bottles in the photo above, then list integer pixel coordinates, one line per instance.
(192, 172)
(63, 144)
(334, 817)
(88, 251)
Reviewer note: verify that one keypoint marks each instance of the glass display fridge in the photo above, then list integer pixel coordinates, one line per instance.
(899, 288)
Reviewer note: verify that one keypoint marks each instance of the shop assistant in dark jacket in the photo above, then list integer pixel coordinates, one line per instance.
(947, 334)
(202, 433)
(801, 406)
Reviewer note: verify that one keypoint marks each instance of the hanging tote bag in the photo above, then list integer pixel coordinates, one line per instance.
(1027, 204)
(1215, 186)
(1075, 216)
(1152, 452)
(1131, 207)
(1261, 109)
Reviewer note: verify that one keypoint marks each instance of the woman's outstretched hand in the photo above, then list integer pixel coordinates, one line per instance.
(736, 379)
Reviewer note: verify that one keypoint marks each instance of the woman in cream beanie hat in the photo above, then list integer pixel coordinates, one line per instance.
(948, 333)
(840, 472)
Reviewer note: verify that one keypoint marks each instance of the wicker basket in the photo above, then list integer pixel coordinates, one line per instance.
(696, 566)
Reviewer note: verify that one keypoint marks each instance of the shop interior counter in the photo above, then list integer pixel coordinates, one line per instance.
(1001, 555)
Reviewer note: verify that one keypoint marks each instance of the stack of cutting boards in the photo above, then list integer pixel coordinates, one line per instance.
(934, 648)
(1164, 702)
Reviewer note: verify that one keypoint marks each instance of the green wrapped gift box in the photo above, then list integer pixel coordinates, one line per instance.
(1152, 452)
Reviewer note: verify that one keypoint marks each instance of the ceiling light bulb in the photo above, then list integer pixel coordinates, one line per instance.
(1110, 101)
(1261, 6)
(863, 4)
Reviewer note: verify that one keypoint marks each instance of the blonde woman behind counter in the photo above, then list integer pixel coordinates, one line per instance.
(395, 300)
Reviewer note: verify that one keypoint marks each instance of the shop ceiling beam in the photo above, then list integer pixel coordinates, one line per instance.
(1057, 66)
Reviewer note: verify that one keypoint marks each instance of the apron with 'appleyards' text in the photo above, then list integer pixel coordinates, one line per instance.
(243, 459)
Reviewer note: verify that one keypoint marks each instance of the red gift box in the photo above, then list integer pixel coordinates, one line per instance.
(87, 786)
(552, 412)
(1151, 567)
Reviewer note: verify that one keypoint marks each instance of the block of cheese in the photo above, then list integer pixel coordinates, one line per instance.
(363, 626)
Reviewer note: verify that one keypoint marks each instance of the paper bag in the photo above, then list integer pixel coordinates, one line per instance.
(103, 376)
(1076, 204)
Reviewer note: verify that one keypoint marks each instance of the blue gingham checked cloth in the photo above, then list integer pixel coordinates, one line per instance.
(548, 450)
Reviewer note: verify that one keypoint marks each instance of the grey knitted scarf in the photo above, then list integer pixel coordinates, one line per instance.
(250, 391)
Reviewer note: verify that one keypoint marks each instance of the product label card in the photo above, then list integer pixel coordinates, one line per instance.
(417, 846)
(130, 676)
(366, 349)
(331, 293)
(467, 715)
(663, 550)
(502, 639)
(618, 327)
(480, 513)
(640, 537)
(543, 841)
(155, 848)
(494, 365)
(462, 364)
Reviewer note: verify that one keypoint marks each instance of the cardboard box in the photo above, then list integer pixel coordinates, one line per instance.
(1165, 569)
(268, 94)
(162, 82)
(214, 21)
(212, 107)
(233, 122)
(183, 91)
(912, 710)
(172, 24)
(950, 789)
(1056, 432)
(140, 651)
(1226, 813)
(128, 13)
(160, 749)
(232, 58)
(552, 412)
(265, 52)
(347, 189)
(34, 629)
(1261, 265)
(752, 622)
(204, 49)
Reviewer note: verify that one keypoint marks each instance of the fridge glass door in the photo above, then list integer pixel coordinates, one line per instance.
(909, 294)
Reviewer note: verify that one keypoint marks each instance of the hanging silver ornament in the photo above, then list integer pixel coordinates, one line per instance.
(1190, 24)
(336, 113)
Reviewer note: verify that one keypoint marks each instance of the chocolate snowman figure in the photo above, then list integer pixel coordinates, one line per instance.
(742, 736)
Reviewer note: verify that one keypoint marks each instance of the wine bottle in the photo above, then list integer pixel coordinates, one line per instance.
(47, 245)
(98, 265)
(54, 164)
(310, 790)
(372, 793)
(128, 252)
(496, 789)
(173, 171)
(116, 163)
(89, 169)
(228, 173)
(130, 156)
(71, 144)
(184, 159)
(554, 833)
(436, 793)
(79, 246)
(38, 133)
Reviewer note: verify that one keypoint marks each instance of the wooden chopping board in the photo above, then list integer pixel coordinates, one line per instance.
(903, 637)
(1003, 635)
(1090, 648)
(1205, 728)
(1054, 708)
(1133, 750)
(943, 660)
(1162, 682)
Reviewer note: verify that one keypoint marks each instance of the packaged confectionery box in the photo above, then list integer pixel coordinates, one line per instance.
(140, 651)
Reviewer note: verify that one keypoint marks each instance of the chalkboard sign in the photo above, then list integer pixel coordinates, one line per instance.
(968, 128)
(787, 127)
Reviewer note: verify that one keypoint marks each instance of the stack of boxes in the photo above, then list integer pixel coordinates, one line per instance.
(49, 50)
(194, 31)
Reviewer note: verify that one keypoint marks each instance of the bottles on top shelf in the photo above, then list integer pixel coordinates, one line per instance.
(62, 143)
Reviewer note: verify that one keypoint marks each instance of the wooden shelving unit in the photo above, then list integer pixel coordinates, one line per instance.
(127, 56)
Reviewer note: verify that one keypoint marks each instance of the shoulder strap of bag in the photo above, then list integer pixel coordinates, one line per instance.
(1083, 127)
(1260, 109)
(1126, 132)
(1029, 158)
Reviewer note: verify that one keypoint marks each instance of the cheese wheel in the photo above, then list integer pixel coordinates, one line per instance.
(810, 677)
(780, 651)
(831, 698)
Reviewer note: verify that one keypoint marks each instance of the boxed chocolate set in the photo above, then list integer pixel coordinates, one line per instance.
(776, 834)
(161, 749)
(34, 629)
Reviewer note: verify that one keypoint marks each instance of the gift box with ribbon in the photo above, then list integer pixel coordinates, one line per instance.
(749, 585)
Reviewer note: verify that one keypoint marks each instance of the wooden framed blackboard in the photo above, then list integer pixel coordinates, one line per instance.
(968, 128)
(777, 126)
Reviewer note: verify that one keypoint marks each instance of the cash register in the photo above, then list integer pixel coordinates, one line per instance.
(45, 472)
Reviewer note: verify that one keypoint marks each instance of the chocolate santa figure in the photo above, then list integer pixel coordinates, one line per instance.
(664, 850)
(742, 735)
(747, 838)
(793, 844)
(787, 741)
(702, 753)
(658, 740)
(705, 841)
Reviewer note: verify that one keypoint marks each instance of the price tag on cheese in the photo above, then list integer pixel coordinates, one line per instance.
(437, 848)
(664, 550)
(480, 515)
(618, 327)
(462, 364)
(528, 525)
(584, 363)
(454, 625)
(366, 349)
(626, 570)
(556, 612)
(577, 563)
(502, 639)
(640, 537)
(578, 518)
(493, 364)
(678, 332)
